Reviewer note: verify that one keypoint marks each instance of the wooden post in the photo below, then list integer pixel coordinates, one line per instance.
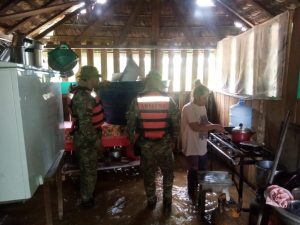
(142, 63)
(128, 52)
(205, 69)
(156, 60)
(171, 70)
(183, 71)
(78, 52)
(116, 61)
(159, 61)
(195, 65)
(104, 64)
(90, 57)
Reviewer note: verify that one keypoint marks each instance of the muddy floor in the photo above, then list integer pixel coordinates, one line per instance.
(120, 199)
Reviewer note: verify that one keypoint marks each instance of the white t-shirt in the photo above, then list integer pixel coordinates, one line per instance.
(193, 143)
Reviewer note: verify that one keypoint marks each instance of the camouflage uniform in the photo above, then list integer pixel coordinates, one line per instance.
(156, 153)
(86, 139)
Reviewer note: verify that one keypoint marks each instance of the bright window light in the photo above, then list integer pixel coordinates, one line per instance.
(165, 66)
(101, 1)
(97, 60)
(177, 71)
(83, 57)
(200, 66)
(188, 71)
(136, 58)
(81, 4)
(243, 29)
(238, 24)
(147, 62)
(123, 60)
(110, 65)
(205, 3)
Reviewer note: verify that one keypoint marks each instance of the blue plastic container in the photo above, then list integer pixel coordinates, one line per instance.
(240, 113)
(116, 98)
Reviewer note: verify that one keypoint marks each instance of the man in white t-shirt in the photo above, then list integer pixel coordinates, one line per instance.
(194, 130)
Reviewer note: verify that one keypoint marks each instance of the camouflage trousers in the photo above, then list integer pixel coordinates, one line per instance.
(156, 155)
(87, 156)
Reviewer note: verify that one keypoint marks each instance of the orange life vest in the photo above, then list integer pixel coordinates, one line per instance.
(153, 115)
(98, 114)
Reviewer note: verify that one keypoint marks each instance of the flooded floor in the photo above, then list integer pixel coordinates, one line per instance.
(120, 199)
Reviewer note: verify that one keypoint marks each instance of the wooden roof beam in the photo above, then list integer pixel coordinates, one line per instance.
(9, 5)
(95, 19)
(130, 22)
(263, 8)
(63, 20)
(235, 13)
(182, 21)
(24, 21)
(155, 20)
(38, 11)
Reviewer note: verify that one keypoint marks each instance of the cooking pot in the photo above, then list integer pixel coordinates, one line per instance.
(263, 171)
(240, 134)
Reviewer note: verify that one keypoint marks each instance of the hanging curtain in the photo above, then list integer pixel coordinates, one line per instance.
(252, 64)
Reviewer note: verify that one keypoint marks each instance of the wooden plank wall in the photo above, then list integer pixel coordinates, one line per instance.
(269, 114)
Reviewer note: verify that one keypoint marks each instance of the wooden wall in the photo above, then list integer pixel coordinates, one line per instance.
(268, 115)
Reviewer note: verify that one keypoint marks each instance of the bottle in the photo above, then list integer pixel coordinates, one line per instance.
(240, 113)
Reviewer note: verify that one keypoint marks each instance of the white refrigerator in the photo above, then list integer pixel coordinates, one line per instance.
(31, 129)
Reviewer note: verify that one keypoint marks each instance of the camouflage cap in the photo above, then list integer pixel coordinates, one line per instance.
(153, 75)
(153, 80)
(88, 72)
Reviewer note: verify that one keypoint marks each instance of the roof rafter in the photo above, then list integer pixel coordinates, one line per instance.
(9, 4)
(155, 20)
(262, 7)
(22, 22)
(235, 13)
(94, 19)
(128, 25)
(38, 11)
(182, 21)
(53, 26)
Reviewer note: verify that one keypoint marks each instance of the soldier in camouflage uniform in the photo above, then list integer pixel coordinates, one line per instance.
(86, 137)
(157, 152)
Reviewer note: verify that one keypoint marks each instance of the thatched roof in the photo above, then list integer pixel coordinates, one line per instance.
(136, 23)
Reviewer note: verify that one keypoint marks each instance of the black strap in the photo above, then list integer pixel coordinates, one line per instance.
(154, 129)
(154, 111)
(155, 120)
(98, 113)
(98, 123)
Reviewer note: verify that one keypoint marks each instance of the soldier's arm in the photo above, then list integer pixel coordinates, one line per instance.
(131, 117)
(175, 118)
(84, 109)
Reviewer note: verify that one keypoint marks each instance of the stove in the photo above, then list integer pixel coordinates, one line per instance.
(238, 156)
(236, 153)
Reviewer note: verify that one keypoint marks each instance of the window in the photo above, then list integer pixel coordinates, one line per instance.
(177, 71)
(212, 78)
(110, 65)
(136, 58)
(188, 71)
(200, 66)
(97, 60)
(147, 62)
(165, 66)
(83, 57)
(123, 61)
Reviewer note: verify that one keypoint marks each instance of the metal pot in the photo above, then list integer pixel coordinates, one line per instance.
(240, 134)
(290, 216)
(263, 171)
